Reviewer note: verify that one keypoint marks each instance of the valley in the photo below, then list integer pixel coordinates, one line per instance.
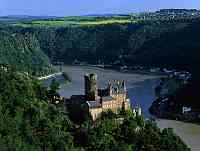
(43, 61)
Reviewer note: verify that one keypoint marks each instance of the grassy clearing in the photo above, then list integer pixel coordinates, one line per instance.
(79, 21)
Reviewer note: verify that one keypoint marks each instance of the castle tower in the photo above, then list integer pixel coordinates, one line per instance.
(124, 86)
(109, 88)
(124, 90)
(91, 88)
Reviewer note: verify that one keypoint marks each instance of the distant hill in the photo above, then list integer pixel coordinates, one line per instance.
(179, 46)
(93, 39)
(106, 15)
(167, 37)
(24, 18)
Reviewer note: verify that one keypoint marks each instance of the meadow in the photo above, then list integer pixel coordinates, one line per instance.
(77, 20)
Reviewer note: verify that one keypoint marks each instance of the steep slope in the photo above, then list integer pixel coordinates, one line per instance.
(28, 122)
(172, 48)
(24, 53)
(104, 43)
(144, 42)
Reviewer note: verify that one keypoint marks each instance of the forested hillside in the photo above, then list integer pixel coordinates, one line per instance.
(179, 47)
(143, 38)
(141, 42)
(23, 52)
(27, 120)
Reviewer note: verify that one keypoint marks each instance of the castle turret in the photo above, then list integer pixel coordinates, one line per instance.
(124, 86)
(109, 88)
(91, 88)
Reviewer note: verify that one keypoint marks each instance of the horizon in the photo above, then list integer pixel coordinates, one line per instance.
(88, 7)
(27, 15)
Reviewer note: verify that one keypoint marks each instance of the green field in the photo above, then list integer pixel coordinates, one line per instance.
(79, 21)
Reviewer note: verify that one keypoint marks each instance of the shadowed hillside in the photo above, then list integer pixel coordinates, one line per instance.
(24, 53)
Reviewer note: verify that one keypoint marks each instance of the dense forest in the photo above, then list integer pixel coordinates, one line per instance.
(129, 43)
(150, 42)
(23, 52)
(30, 120)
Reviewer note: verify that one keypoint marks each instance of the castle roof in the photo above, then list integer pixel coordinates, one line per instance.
(81, 97)
(118, 86)
(107, 98)
(94, 104)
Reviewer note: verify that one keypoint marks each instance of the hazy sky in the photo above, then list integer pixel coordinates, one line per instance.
(84, 7)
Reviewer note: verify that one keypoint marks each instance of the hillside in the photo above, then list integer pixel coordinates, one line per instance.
(23, 52)
(145, 38)
(130, 43)
(181, 46)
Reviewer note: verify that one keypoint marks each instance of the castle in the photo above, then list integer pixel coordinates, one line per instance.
(114, 97)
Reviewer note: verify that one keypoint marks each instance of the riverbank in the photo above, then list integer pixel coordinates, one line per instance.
(189, 133)
(175, 100)
(168, 108)
(100, 71)
(110, 67)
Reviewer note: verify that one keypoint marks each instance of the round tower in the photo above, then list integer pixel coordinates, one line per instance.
(91, 87)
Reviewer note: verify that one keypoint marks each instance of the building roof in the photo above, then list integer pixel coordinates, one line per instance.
(118, 86)
(81, 97)
(94, 104)
(76, 99)
(107, 98)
